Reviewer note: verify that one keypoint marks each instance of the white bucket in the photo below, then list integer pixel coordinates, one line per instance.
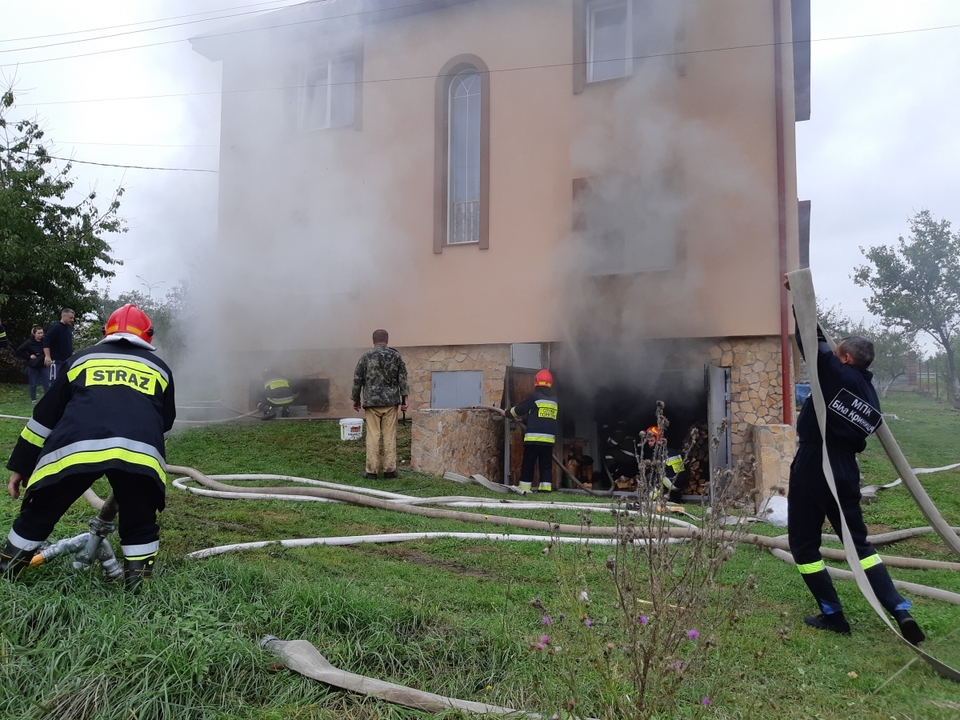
(351, 428)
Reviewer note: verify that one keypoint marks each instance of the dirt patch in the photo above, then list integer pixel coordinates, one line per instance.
(421, 558)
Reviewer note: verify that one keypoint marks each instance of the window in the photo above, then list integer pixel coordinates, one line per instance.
(462, 154)
(463, 159)
(328, 89)
(609, 39)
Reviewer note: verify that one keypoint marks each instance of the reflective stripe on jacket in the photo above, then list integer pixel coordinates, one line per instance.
(108, 409)
(541, 412)
(278, 391)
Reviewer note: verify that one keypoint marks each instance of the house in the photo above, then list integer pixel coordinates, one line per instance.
(605, 187)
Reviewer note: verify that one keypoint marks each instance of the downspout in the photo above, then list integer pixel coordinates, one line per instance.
(781, 214)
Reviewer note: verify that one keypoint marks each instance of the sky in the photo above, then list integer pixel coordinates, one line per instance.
(881, 143)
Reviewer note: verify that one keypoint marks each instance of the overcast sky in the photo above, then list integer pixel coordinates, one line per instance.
(881, 143)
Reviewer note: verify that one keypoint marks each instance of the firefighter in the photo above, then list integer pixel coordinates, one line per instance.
(853, 413)
(540, 411)
(3, 337)
(106, 414)
(674, 478)
(277, 394)
(620, 457)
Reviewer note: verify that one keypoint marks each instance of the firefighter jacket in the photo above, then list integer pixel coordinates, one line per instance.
(3, 337)
(108, 409)
(540, 410)
(278, 391)
(382, 376)
(853, 409)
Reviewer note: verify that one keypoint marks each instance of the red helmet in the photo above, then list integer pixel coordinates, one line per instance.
(543, 379)
(654, 430)
(130, 320)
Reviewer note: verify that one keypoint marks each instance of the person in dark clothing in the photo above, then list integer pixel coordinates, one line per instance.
(106, 414)
(277, 393)
(58, 342)
(32, 352)
(3, 337)
(540, 413)
(853, 413)
(674, 480)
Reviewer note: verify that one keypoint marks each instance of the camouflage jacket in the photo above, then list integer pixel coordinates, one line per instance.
(382, 376)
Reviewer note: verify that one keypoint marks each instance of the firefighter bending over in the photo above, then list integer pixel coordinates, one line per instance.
(277, 394)
(540, 409)
(106, 414)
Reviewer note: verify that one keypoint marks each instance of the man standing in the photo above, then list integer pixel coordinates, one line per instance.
(58, 342)
(381, 376)
(3, 337)
(540, 412)
(853, 413)
(106, 414)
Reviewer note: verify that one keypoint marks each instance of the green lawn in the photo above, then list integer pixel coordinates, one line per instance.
(448, 616)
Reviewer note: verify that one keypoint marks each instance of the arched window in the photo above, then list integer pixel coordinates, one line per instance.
(463, 159)
(462, 154)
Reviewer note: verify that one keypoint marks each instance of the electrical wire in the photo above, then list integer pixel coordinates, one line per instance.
(130, 167)
(426, 2)
(140, 22)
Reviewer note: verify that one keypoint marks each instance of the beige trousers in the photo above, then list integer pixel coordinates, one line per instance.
(381, 423)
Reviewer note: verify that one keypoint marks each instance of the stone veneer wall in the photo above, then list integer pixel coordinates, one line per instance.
(422, 361)
(774, 446)
(460, 441)
(338, 365)
(755, 387)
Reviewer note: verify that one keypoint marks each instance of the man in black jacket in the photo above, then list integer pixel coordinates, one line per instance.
(540, 413)
(58, 342)
(106, 414)
(853, 413)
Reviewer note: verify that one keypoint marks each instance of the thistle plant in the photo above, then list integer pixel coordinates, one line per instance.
(635, 640)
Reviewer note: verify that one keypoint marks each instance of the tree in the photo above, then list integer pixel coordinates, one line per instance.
(894, 349)
(50, 250)
(916, 284)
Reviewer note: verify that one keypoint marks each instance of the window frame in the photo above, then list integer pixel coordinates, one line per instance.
(355, 55)
(450, 71)
(591, 8)
(451, 137)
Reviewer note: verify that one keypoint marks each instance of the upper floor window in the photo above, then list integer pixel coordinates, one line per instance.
(327, 93)
(463, 191)
(609, 39)
(462, 161)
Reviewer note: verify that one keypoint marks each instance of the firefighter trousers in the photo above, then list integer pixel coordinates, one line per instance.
(534, 455)
(139, 497)
(809, 503)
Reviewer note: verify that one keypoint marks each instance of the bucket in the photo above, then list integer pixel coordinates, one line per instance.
(351, 428)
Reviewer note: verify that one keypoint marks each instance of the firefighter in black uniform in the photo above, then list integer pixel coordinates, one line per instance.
(540, 409)
(106, 414)
(277, 394)
(674, 479)
(853, 413)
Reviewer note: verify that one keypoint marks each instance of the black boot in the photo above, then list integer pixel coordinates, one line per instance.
(14, 560)
(908, 627)
(136, 573)
(834, 622)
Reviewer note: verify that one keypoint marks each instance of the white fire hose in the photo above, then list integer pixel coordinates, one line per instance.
(805, 306)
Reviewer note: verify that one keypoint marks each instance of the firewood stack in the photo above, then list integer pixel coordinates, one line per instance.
(698, 460)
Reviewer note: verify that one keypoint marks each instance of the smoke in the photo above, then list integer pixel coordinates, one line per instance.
(304, 239)
(656, 178)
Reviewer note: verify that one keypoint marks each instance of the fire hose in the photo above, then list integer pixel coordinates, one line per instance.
(801, 285)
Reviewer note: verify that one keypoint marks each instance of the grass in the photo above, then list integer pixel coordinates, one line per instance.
(447, 616)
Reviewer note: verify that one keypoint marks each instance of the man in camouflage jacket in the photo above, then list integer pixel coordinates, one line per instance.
(381, 376)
